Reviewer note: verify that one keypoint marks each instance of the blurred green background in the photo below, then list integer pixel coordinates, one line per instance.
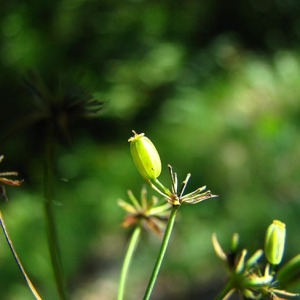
(215, 86)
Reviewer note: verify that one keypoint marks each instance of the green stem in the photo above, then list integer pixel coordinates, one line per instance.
(16, 257)
(162, 251)
(162, 187)
(226, 291)
(128, 257)
(51, 228)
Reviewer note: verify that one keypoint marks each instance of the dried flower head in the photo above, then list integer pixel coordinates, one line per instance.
(150, 212)
(56, 102)
(176, 196)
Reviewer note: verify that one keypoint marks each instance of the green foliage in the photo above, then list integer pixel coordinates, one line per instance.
(221, 79)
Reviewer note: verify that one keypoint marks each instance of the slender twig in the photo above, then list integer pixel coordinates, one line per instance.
(173, 179)
(162, 251)
(51, 228)
(162, 187)
(184, 184)
(130, 250)
(29, 283)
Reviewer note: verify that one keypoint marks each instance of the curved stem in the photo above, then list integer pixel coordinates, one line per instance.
(162, 187)
(162, 251)
(11, 246)
(51, 228)
(127, 259)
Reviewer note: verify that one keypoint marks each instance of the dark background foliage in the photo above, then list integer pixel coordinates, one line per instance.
(214, 84)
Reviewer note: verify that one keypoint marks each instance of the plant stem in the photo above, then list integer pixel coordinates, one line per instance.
(29, 283)
(162, 251)
(130, 250)
(51, 228)
(226, 291)
(162, 187)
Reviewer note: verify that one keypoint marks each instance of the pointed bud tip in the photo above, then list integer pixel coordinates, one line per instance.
(136, 136)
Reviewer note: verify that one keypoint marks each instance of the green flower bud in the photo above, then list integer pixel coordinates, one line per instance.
(145, 156)
(274, 242)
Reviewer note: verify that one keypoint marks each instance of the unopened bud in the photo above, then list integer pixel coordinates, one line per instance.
(274, 242)
(145, 156)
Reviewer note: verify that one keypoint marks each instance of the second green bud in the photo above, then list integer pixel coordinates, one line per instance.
(275, 242)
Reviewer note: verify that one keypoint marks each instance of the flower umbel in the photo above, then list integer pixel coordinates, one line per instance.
(147, 161)
(146, 212)
(176, 196)
(150, 212)
(246, 276)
